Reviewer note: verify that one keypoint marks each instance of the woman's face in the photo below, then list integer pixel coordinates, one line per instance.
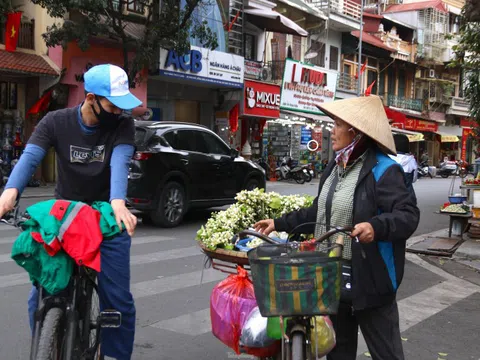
(342, 135)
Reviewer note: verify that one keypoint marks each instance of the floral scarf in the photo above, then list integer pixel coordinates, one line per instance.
(343, 155)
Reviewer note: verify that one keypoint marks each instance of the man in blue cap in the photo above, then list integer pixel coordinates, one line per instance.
(94, 143)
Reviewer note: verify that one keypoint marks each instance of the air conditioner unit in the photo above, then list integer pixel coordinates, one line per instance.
(431, 73)
(266, 74)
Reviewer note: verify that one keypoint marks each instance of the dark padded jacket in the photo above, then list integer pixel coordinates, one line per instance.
(382, 199)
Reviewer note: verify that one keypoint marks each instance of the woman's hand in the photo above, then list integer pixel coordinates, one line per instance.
(264, 226)
(364, 231)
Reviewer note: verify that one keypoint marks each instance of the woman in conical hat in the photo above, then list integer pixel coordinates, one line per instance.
(362, 187)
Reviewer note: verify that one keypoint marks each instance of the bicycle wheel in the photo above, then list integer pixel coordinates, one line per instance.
(51, 338)
(298, 346)
(90, 323)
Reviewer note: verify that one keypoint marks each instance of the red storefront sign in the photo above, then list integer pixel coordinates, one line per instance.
(420, 125)
(317, 135)
(262, 100)
(465, 133)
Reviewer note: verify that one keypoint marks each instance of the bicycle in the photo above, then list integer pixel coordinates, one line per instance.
(297, 337)
(67, 325)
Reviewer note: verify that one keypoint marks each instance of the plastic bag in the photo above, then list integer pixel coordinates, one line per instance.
(254, 332)
(324, 335)
(231, 301)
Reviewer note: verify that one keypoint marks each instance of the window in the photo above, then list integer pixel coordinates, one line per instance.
(249, 45)
(213, 144)
(185, 140)
(135, 6)
(347, 69)
(401, 83)
(319, 47)
(333, 57)
(371, 77)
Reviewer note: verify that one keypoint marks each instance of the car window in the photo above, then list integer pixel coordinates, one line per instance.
(156, 140)
(140, 136)
(187, 140)
(214, 145)
(171, 138)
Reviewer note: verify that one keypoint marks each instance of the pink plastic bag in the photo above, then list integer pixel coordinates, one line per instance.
(231, 302)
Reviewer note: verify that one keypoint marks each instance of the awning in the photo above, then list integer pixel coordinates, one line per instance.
(27, 64)
(372, 40)
(411, 135)
(301, 5)
(444, 138)
(315, 117)
(270, 20)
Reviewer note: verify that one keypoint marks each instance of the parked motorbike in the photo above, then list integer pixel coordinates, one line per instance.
(423, 170)
(457, 168)
(285, 172)
(308, 171)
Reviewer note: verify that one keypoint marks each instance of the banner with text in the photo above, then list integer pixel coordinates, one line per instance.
(305, 86)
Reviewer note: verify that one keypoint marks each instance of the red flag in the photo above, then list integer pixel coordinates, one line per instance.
(369, 89)
(12, 30)
(362, 70)
(233, 119)
(41, 105)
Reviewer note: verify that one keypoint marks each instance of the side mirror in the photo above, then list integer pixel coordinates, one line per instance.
(234, 153)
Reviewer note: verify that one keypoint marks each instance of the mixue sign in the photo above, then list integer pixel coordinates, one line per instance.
(305, 86)
(261, 100)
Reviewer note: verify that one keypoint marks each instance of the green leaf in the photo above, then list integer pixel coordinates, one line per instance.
(442, 354)
(404, 339)
(367, 354)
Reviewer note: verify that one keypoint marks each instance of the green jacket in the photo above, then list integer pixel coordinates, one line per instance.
(60, 233)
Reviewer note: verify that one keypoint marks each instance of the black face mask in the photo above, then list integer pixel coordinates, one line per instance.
(106, 119)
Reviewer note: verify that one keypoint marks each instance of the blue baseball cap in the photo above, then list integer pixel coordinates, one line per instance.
(111, 82)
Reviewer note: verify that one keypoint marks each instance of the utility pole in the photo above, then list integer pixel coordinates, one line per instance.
(359, 85)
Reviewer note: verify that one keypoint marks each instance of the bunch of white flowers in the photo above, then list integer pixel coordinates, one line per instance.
(251, 207)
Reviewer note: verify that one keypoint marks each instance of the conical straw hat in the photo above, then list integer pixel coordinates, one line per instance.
(366, 114)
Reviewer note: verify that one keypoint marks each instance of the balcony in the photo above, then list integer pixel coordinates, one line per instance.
(403, 103)
(433, 52)
(345, 14)
(26, 37)
(347, 82)
(459, 106)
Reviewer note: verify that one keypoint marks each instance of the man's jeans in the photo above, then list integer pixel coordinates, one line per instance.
(114, 293)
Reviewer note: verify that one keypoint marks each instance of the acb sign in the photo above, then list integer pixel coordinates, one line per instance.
(191, 61)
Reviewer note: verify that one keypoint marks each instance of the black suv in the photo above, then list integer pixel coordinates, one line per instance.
(179, 166)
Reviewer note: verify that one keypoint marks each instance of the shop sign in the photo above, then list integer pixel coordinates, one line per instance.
(465, 134)
(262, 100)
(467, 122)
(305, 86)
(305, 136)
(204, 65)
(253, 69)
(421, 125)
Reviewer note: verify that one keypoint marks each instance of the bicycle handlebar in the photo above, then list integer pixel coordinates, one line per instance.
(14, 218)
(346, 230)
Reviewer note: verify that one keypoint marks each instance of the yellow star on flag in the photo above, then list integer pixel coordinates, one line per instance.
(13, 32)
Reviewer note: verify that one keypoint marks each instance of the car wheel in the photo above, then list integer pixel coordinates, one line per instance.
(171, 207)
(252, 184)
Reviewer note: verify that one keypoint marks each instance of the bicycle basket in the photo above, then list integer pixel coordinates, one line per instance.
(289, 282)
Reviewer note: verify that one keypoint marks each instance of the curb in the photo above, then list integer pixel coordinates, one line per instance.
(416, 239)
(41, 195)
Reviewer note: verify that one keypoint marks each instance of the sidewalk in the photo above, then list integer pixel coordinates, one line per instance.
(466, 251)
